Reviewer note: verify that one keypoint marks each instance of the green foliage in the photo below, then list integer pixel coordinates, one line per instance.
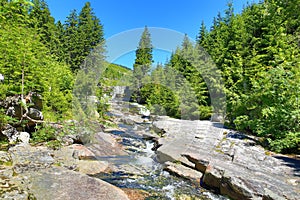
(42, 134)
(80, 35)
(258, 54)
(160, 99)
(116, 75)
(143, 60)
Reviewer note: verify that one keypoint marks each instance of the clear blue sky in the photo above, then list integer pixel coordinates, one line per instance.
(117, 16)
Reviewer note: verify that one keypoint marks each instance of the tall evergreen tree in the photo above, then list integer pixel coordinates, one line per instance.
(202, 34)
(144, 58)
(42, 20)
(83, 33)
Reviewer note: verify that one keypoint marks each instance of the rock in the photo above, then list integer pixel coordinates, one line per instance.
(1, 78)
(105, 144)
(24, 138)
(35, 114)
(236, 188)
(217, 118)
(270, 195)
(11, 133)
(60, 184)
(92, 167)
(37, 101)
(232, 163)
(213, 177)
(136, 194)
(64, 157)
(144, 112)
(127, 121)
(4, 157)
(27, 158)
(81, 152)
(184, 172)
(200, 163)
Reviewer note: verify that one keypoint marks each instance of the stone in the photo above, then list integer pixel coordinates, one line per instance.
(27, 158)
(24, 138)
(233, 164)
(200, 163)
(235, 187)
(11, 133)
(213, 177)
(183, 171)
(61, 184)
(1, 78)
(92, 167)
(270, 195)
(35, 114)
(81, 152)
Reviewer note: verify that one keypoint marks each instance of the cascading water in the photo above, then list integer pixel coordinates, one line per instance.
(140, 170)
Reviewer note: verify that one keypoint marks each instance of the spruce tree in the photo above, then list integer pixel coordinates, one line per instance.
(144, 58)
(202, 34)
(83, 33)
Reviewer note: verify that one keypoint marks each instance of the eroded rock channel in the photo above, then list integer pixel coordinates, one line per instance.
(142, 158)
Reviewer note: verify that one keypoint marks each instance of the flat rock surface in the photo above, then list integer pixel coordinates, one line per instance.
(60, 184)
(231, 162)
(28, 172)
(183, 171)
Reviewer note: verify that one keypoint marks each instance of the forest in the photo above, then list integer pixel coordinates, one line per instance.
(256, 52)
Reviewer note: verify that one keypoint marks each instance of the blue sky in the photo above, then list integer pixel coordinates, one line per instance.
(117, 16)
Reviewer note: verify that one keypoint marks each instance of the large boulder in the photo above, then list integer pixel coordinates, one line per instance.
(231, 162)
(60, 184)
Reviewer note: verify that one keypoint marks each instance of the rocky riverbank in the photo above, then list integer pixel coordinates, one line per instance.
(229, 162)
(29, 172)
(205, 153)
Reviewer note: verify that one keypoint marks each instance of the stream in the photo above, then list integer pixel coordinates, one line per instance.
(140, 170)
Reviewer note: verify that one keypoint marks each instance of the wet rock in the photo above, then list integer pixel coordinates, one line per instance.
(136, 194)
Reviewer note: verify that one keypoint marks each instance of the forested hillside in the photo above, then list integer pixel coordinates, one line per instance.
(39, 56)
(257, 53)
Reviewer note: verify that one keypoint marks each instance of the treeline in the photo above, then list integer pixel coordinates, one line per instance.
(40, 55)
(257, 53)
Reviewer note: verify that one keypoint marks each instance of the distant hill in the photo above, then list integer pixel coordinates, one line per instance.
(116, 74)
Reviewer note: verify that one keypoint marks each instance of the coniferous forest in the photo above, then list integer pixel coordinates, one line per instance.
(256, 52)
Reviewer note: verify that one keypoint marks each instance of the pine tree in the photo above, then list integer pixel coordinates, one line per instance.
(90, 30)
(144, 58)
(202, 35)
(44, 23)
(83, 33)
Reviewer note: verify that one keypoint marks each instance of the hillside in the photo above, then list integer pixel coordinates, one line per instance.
(116, 74)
